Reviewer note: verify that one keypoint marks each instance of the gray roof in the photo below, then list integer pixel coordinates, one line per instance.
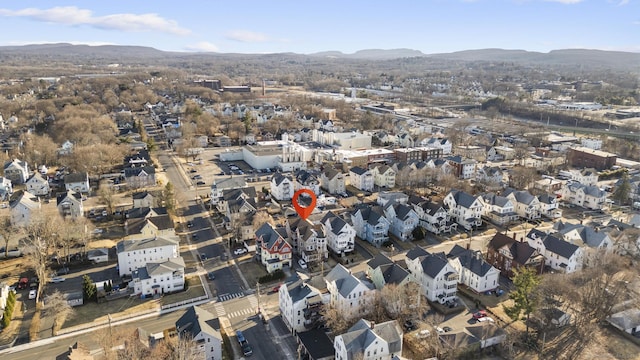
(134, 245)
(394, 273)
(554, 244)
(140, 195)
(229, 183)
(171, 265)
(589, 236)
(76, 177)
(547, 199)
(278, 178)
(358, 170)
(364, 333)
(196, 320)
(379, 260)
(462, 198)
(627, 319)
(337, 223)
(268, 235)
(330, 172)
(470, 259)
(523, 197)
(371, 214)
(136, 171)
(494, 199)
(416, 252)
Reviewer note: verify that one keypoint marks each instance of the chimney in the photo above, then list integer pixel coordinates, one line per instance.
(468, 244)
(372, 325)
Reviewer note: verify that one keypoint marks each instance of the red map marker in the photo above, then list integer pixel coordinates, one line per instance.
(304, 212)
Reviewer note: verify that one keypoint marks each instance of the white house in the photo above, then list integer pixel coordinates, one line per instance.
(583, 235)
(157, 278)
(474, 271)
(134, 254)
(203, 328)
(38, 185)
(498, 209)
(309, 240)
(594, 144)
(282, 187)
(220, 185)
(526, 205)
(589, 197)
(587, 176)
(443, 144)
(340, 235)
(349, 295)
(558, 254)
(432, 216)
(466, 209)
(369, 341)
(549, 206)
(144, 199)
(306, 179)
(370, 224)
(402, 220)
(78, 182)
(17, 171)
(332, 181)
(6, 188)
(23, 207)
(383, 176)
(438, 279)
(70, 204)
(273, 251)
(297, 302)
(361, 179)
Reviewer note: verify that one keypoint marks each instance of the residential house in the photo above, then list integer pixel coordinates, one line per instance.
(382, 271)
(549, 206)
(140, 177)
(498, 209)
(588, 197)
(438, 279)
(559, 255)
(141, 158)
(22, 207)
(509, 255)
(473, 338)
(443, 144)
(340, 234)
(309, 240)
(145, 212)
(369, 341)
(300, 305)
(220, 185)
(384, 176)
(134, 254)
(627, 320)
(273, 251)
(491, 176)
(6, 188)
(397, 197)
(157, 278)
(361, 179)
(332, 181)
(143, 199)
(402, 220)
(282, 187)
(78, 182)
(237, 202)
(66, 148)
(462, 168)
(201, 327)
(477, 274)
(350, 295)
(38, 185)
(370, 224)
(583, 235)
(148, 227)
(587, 176)
(405, 140)
(464, 208)
(526, 205)
(17, 171)
(306, 179)
(432, 216)
(70, 204)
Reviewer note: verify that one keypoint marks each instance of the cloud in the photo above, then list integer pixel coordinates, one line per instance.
(202, 46)
(71, 15)
(246, 36)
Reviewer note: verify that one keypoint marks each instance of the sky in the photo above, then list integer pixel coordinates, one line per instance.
(262, 26)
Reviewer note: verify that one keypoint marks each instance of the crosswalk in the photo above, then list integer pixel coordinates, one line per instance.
(220, 311)
(226, 297)
(241, 313)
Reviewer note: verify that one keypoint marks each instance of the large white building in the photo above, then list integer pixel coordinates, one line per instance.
(340, 235)
(203, 328)
(361, 179)
(369, 341)
(157, 278)
(349, 295)
(436, 276)
(298, 302)
(282, 187)
(134, 254)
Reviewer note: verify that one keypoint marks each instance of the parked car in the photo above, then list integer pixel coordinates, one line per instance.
(211, 276)
(302, 263)
(480, 314)
(486, 318)
(23, 283)
(275, 289)
(203, 257)
(447, 329)
(200, 182)
(189, 224)
(57, 279)
(32, 294)
(246, 349)
(409, 325)
(239, 251)
(240, 337)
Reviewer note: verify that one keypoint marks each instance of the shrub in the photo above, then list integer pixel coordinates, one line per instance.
(276, 275)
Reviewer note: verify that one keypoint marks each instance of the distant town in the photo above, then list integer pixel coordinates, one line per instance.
(469, 209)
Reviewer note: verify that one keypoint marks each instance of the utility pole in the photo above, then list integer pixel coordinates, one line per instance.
(258, 287)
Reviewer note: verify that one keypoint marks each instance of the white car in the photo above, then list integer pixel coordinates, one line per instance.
(32, 294)
(302, 263)
(98, 231)
(239, 251)
(57, 279)
(486, 318)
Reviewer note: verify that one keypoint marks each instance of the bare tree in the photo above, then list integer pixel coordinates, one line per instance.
(261, 217)
(41, 232)
(8, 233)
(107, 196)
(336, 320)
(57, 307)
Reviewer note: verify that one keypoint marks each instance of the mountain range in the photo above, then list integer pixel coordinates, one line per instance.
(118, 53)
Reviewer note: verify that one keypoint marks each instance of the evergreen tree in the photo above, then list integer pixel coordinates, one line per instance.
(621, 194)
(524, 295)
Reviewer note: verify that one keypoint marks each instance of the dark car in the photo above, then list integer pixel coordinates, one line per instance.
(447, 329)
(211, 276)
(200, 182)
(246, 349)
(189, 224)
(409, 325)
(203, 256)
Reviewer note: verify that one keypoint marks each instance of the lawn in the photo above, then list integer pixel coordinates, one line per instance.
(92, 311)
(194, 290)
(252, 271)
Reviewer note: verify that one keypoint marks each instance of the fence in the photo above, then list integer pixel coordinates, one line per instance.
(184, 302)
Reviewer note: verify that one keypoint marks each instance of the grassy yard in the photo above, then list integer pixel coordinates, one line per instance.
(252, 271)
(92, 311)
(194, 290)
